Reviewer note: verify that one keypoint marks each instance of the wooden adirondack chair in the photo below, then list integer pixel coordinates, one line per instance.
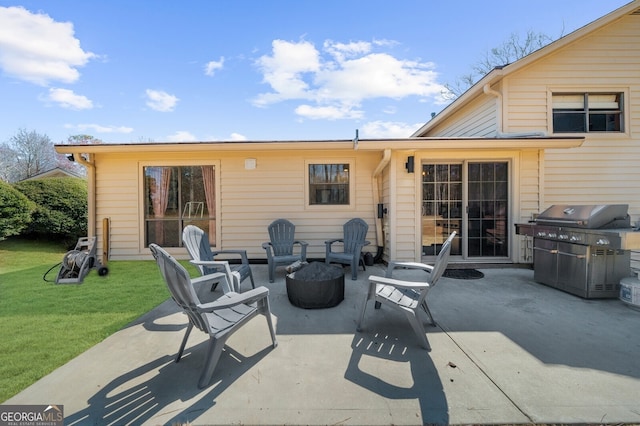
(280, 248)
(220, 319)
(355, 232)
(408, 296)
(197, 244)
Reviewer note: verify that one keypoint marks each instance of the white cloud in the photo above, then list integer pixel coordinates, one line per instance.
(333, 83)
(212, 66)
(328, 112)
(238, 137)
(98, 128)
(67, 99)
(388, 129)
(161, 101)
(35, 48)
(182, 136)
(284, 71)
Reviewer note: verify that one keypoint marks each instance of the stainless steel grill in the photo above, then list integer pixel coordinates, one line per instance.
(583, 250)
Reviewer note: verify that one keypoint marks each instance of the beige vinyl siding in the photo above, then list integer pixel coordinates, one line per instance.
(528, 203)
(249, 199)
(478, 119)
(117, 200)
(406, 210)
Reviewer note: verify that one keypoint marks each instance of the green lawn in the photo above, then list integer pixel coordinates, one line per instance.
(44, 325)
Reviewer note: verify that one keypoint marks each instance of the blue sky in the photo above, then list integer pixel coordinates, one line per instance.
(211, 70)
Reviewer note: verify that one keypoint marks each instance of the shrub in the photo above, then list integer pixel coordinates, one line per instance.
(15, 211)
(61, 208)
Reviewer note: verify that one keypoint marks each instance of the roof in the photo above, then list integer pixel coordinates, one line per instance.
(55, 173)
(459, 143)
(499, 73)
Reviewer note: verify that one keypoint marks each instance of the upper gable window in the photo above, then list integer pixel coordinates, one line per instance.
(587, 112)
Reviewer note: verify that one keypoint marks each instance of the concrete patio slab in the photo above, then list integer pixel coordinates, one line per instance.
(506, 350)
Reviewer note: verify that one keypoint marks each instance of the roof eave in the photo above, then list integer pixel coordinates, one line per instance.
(461, 143)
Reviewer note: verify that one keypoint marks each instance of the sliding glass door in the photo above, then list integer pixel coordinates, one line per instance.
(471, 198)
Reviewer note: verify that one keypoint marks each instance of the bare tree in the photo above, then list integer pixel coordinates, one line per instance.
(516, 47)
(27, 154)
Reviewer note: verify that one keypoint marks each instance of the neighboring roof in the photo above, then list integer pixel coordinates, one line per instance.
(499, 73)
(55, 173)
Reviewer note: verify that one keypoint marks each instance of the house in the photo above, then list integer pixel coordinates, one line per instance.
(504, 151)
(56, 172)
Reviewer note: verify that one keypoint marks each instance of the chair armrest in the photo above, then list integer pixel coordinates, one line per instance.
(373, 279)
(302, 243)
(335, 240)
(228, 276)
(234, 299)
(409, 265)
(209, 279)
(241, 253)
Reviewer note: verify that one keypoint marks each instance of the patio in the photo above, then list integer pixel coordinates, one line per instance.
(506, 350)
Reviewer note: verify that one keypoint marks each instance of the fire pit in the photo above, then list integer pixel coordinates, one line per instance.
(316, 285)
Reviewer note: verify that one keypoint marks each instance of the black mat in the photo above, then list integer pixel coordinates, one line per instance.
(463, 274)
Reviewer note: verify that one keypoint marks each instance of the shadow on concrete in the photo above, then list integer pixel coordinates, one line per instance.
(424, 385)
(143, 394)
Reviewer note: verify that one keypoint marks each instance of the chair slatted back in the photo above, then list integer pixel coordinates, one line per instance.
(355, 234)
(178, 282)
(282, 234)
(197, 243)
(441, 261)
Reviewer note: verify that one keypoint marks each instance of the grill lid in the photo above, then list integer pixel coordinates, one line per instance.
(586, 216)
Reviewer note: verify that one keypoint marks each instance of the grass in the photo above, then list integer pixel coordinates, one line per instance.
(45, 325)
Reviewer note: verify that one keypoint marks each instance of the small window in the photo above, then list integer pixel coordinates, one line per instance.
(587, 112)
(329, 184)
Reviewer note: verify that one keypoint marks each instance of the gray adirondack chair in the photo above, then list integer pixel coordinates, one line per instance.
(355, 232)
(197, 244)
(220, 319)
(280, 248)
(408, 297)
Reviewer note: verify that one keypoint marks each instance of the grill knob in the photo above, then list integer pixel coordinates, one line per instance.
(542, 234)
(602, 242)
(563, 237)
(552, 234)
(575, 238)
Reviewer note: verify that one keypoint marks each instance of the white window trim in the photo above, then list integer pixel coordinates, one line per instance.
(591, 89)
(173, 163)
(352, 184)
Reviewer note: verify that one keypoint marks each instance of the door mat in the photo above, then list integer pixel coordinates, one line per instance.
(463, 274)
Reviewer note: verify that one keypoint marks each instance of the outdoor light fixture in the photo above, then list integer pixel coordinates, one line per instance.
(410, 164)
(382, 210)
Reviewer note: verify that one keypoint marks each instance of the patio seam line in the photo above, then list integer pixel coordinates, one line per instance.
(486, 375)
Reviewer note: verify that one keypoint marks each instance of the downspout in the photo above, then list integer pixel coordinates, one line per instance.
(91, 192)
(375, 180)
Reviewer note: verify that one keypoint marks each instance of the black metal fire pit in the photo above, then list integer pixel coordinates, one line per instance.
(316, 285)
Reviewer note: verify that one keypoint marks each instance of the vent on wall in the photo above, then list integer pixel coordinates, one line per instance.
(635, 12)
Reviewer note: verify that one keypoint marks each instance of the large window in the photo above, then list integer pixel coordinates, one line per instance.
(329, 184)
(587, 112)
(176, 196)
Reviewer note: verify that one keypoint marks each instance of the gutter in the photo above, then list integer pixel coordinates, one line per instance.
(375, 181)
